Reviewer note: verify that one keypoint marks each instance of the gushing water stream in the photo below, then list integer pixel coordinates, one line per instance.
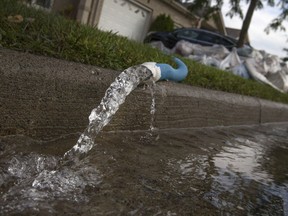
(153, 105)
(115, 95)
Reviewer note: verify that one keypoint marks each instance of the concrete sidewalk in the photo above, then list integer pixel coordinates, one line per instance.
(46, 97)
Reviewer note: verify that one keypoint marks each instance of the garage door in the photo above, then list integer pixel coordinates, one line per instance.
(124, 17)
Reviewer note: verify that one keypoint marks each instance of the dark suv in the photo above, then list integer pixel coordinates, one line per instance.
(197, 36)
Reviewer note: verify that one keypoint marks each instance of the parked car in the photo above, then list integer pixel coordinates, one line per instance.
(192, 35)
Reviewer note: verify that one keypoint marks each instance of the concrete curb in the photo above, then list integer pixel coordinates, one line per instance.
(47, 97)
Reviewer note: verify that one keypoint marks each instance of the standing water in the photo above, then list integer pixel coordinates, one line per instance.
(206, 171)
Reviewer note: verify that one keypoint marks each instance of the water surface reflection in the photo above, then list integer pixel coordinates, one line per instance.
(208, 171)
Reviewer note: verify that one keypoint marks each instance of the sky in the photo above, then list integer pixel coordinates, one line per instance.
(272, 43)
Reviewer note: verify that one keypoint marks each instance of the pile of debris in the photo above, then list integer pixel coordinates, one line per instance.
(245, 62)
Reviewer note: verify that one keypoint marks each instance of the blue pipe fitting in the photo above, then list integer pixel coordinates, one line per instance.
(162, 71)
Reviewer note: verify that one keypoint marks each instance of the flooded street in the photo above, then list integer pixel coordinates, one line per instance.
(207, 171)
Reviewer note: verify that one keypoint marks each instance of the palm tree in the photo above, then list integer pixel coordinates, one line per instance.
(246, 23)
(236, 10)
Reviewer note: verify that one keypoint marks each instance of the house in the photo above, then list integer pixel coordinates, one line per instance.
(235, 33)
(214, 23)
(130, 18)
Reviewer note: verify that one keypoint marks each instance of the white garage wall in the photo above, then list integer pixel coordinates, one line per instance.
(127, 18)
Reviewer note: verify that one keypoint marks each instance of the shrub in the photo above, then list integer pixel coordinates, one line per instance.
(162, 22)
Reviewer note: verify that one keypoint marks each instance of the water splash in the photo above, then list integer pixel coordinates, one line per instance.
(33, 183)
(115, 95)
(153, 105)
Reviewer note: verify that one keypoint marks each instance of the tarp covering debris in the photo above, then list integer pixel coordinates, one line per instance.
(245, 62)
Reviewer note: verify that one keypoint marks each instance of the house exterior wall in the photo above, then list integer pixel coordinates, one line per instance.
(89, 12)
(215, 23)
(84, 11)
(79, 9)
(235, 33)
(68, 8)
(213, 26)
(179, 14)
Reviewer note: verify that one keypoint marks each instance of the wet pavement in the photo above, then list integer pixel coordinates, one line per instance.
(204, 171)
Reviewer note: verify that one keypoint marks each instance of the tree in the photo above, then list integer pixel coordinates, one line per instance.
(246, 22)
(236, 10)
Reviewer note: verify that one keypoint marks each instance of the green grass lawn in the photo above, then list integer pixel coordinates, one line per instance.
(53, 35)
